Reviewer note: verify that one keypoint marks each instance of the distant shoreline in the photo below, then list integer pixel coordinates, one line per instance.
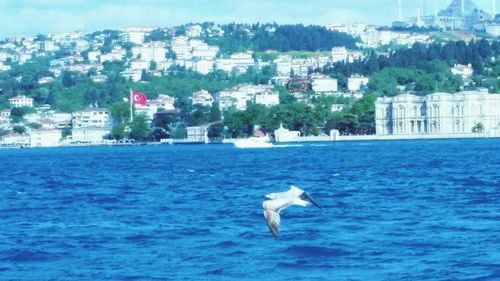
(324, 139)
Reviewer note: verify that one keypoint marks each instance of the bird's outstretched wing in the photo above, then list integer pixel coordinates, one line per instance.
(273, 221)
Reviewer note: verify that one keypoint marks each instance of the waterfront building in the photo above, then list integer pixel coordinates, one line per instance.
(284, 135)
(88, 135)
(91, 117)
(438, 113)
(21, 101)
(13, 139)
(45, 138)
(197, 133)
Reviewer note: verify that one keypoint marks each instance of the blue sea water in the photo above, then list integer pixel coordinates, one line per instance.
(399, 210)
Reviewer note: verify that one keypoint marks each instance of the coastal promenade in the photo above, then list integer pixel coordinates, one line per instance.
(336, 137)
(331, 138)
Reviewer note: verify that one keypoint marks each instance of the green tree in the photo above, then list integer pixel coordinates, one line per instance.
(66, 131)
(216, 130)
(215, 113)
(139, 128)
(19, 129)
(152, 65)
(120, 112)
(34, 126)
(17, 113)
(179, 131)
(118, 131)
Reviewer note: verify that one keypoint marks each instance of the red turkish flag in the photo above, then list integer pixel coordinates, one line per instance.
(138, 98)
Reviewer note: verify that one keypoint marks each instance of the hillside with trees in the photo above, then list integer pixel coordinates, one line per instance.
(420, 69)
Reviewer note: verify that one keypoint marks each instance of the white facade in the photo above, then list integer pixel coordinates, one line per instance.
(465, 71)
(45, 138)
(493, 29)
(92, 135)
(194, 30)
(136, 37)
(438, 113)
(93, 56)
(283, 65)
(20, 101)
(152, 106)
(284, 135)
(238, 61)
(92, 117)
(339, 54)
(197, 134)
(355, 82)
(134, 75)
(116, 54)
(322, 84)
(13, 139)
(140, 65)
(150, 52)
(235, 99)
(203, 66)
(267, 98)
(202, 97)
(205, 52)
(239, 97)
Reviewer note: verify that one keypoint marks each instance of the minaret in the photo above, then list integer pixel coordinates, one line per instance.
(463, 8)
(494, 7)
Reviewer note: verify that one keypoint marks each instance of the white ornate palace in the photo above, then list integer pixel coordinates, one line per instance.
(438, 113)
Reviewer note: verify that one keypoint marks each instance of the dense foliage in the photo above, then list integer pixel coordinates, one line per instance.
(283, 38)
(434, 61)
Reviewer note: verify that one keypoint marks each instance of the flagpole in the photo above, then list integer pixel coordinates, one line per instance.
(131, 109)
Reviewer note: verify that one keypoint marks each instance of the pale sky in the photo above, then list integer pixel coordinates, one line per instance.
(31, 17)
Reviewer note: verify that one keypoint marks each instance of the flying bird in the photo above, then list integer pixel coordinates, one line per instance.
(281, 200)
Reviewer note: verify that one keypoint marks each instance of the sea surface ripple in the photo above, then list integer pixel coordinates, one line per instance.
(399, 210)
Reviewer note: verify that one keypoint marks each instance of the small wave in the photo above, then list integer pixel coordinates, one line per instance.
(226, 244)
(287, 145)
(312, 251)
(138, 238)
(218, 271)
(16, 255)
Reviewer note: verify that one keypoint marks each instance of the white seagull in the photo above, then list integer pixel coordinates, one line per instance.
(281, 200)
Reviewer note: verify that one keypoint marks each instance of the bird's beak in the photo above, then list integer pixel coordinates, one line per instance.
(308, 197)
